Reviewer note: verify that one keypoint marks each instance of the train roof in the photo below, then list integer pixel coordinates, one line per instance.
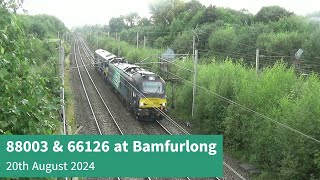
(105, 54)
(131, 69)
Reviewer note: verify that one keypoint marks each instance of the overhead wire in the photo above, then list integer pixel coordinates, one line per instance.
(227, 53)
(204, 32)
(169, 118)
(250, 110)
(268, 51)
(176, 64)
(159, 110)
(156, 108)
(235, 42)
(263, 58)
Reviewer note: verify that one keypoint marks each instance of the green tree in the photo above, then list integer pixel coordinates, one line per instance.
(28, 104)
(210, 15)
(163, 12)
(291, 23)
(176, 26)
(162, 42)
(280, 44)
(314, 43)
(117, 24)
(132, 19)
(203, 33)
(11, 5)
(195, 20)
(192, 13)
(144, 22)
(183, 43)
(234, 17)
(223, 41)
(194, 6)
(271, 13)
(245, 44)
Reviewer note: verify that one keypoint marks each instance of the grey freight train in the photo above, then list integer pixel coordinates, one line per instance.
(143, 92)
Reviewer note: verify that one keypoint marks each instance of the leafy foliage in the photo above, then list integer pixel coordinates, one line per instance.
(183, 43)
(29, 92)
(276, 92)
(271, 13)
(222, 40)
(222, 32)
(117, 24)
(163, 12)
(42, 26)
(227, 40)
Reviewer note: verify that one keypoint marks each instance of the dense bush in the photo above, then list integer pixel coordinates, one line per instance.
(29, 91)
(275, 92)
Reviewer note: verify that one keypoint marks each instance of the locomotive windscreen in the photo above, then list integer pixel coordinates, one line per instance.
(152, 87)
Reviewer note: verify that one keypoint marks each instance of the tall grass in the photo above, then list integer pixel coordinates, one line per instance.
(276, 92)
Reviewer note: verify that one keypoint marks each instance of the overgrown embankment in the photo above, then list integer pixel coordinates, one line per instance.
(254, 112)
(30, 84)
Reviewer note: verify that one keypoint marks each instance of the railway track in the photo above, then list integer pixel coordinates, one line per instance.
(181, 129)
(166, 126)
(149, 127)
(126, 122)
(153, 128)
(83, 65)
(99, 110)
(100, 116)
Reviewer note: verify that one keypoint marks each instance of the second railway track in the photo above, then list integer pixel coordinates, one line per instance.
(103, 118)
(124, 119)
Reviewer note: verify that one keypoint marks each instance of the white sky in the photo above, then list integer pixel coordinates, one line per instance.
(81, 12)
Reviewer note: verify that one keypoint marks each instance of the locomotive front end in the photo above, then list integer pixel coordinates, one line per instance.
(152, 101)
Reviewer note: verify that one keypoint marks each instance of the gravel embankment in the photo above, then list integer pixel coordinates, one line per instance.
(104, 119)
(83, 116)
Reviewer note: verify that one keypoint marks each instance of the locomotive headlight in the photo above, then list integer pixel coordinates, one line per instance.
(163, 104)
(141, 104)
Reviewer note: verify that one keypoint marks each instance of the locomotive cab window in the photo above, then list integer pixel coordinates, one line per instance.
(152, 87)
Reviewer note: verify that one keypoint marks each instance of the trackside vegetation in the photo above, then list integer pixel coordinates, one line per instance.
(29, 77)
(258, 109)
(276, 92)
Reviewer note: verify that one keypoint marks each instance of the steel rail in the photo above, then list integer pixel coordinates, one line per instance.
(85, 90)
(104, 103)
